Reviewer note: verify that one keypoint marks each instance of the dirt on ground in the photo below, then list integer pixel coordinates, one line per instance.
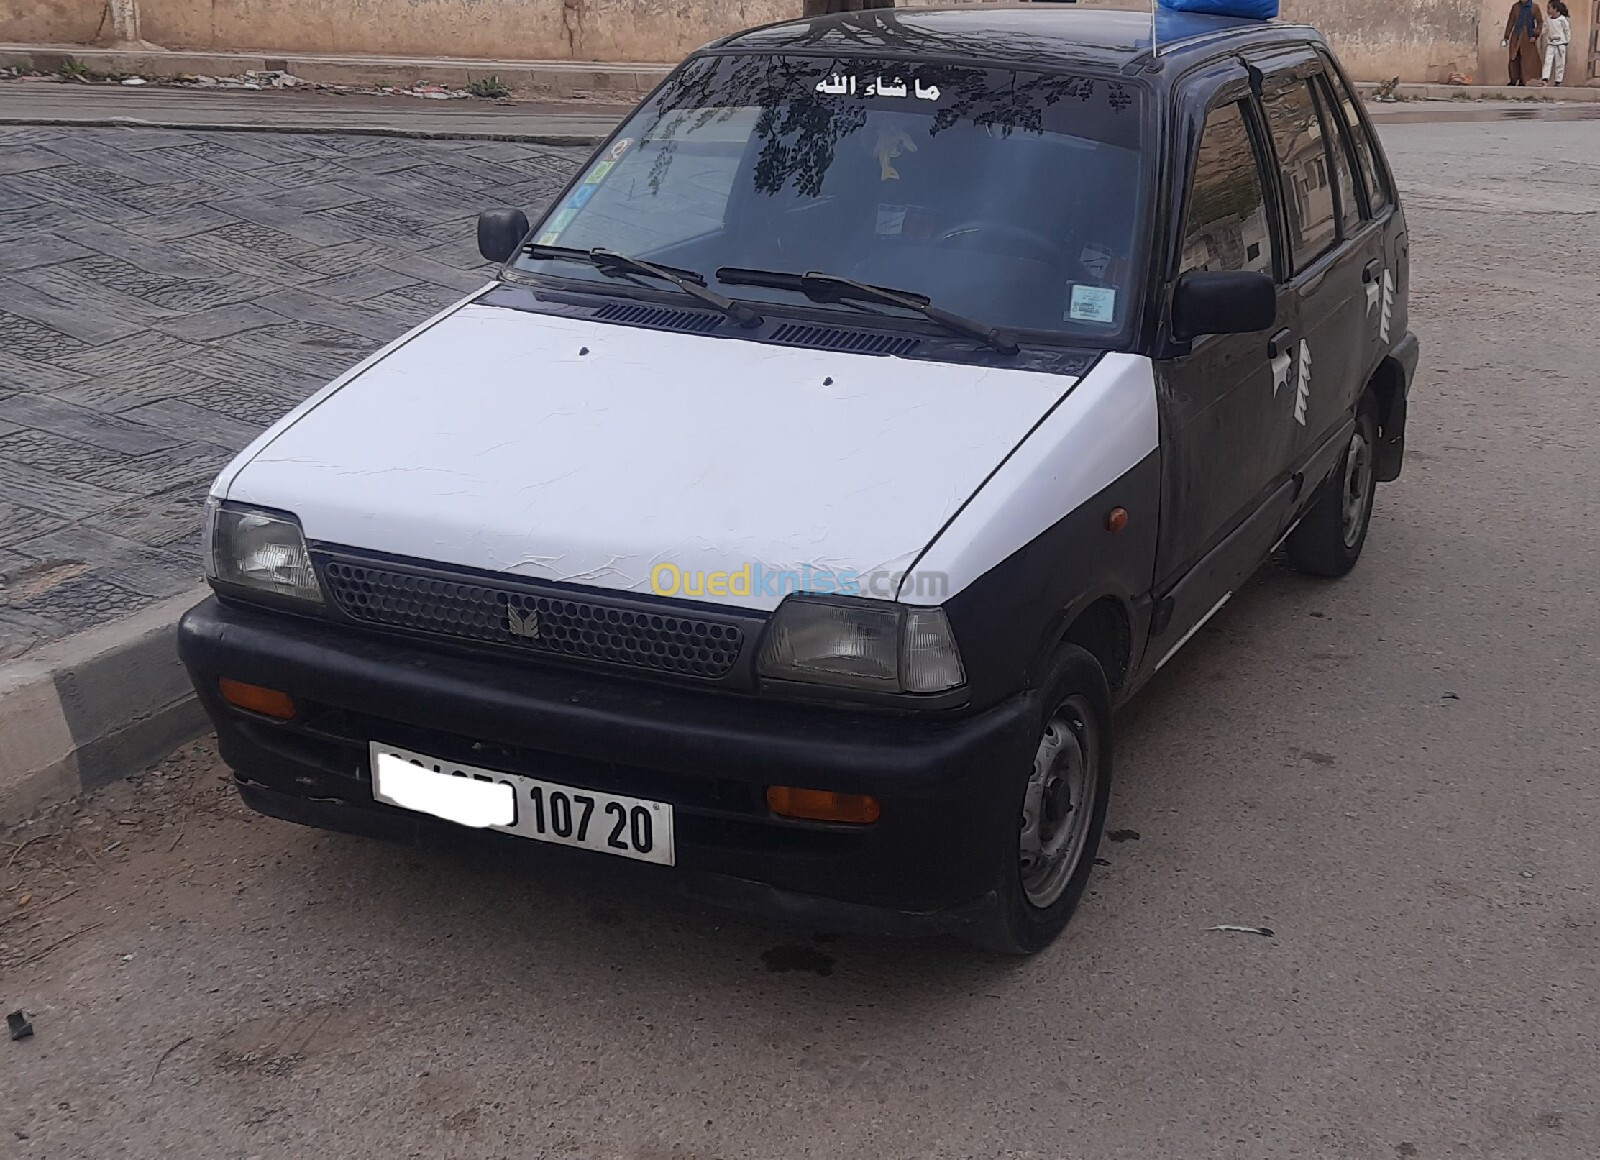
(119, 850)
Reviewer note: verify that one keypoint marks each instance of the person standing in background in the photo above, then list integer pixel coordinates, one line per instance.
(1558, 31)
(1523, 27)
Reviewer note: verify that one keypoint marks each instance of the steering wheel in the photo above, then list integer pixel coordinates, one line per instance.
(1039, 247)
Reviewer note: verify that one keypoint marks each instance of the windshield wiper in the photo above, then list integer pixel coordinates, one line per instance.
(833, 288)
(609, 261)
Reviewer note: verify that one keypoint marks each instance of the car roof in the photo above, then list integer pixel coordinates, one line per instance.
(1037, 34)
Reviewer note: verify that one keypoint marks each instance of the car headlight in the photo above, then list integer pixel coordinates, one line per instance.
(862, 645)
(258, 550)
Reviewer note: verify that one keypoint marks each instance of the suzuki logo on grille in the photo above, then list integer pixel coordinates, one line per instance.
(523, 624)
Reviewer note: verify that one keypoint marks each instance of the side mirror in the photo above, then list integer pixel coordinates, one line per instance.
(1223, 302)
(500, 232)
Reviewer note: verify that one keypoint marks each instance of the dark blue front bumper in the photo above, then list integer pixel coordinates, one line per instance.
(928, 863)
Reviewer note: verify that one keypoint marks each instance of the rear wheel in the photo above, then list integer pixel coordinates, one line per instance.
(1329, 539)
(1044, 865)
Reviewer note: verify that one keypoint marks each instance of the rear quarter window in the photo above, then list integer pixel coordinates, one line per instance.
(1339, 150)
(1371, 176)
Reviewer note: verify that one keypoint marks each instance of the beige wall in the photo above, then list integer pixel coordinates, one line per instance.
(49, 21)
(1416, 40)
(1419, 40)
(630, 30)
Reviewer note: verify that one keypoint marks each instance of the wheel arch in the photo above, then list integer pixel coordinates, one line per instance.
(1101, 625)
(1387, 386)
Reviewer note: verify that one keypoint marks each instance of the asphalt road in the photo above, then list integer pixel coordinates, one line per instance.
(1395, 772)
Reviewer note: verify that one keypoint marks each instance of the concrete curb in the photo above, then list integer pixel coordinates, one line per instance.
(1530, 96)
(571, 140)
(529, 78)
(93, 708)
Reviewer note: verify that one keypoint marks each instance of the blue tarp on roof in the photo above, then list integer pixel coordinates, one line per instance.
(1173, 25)
(1245, 9)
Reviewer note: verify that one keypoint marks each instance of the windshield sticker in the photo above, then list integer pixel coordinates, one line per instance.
(838, 85)
(558, 223)
(1093, 304)
(602, 168)
(891, 221)
(585, 191)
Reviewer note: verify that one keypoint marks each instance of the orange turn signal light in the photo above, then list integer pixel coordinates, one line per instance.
(820, 805)
(267, 702)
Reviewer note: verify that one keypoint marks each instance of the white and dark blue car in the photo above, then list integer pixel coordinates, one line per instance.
(888, 398)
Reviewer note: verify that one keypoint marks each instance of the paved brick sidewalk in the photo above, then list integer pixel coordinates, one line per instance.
(165, 295)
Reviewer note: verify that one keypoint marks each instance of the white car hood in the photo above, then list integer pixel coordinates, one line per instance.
(568, 450)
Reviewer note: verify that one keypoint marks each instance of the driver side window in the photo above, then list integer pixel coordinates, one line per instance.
(1226, 222)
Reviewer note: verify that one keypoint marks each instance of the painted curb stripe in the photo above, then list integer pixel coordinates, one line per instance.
(94, 708)
(568, 140)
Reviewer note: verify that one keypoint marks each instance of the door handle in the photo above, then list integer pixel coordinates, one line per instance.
(1278, 344)
(1370, 274)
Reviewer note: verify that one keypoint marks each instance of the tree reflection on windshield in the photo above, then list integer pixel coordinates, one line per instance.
(800, 129)
(1002, 194)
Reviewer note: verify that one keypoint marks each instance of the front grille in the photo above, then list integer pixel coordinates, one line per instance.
(562, 626)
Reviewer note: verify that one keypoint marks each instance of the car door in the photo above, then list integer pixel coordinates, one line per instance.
(1386, 294)
(1212, 390)
(1368, 256)
(1321, 361)
(1223, 441)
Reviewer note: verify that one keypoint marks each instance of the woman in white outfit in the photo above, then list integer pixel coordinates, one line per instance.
(1558, 29)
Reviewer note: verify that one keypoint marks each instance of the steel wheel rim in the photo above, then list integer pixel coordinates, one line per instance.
(1357, 486)
(1058, 806)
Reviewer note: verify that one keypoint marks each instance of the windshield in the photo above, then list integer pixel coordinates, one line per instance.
(1012, 197)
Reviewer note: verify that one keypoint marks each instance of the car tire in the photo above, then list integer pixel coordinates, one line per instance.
(1043, 862)
(1329, 538)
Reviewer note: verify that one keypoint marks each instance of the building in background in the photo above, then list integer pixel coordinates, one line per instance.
(1415, 40)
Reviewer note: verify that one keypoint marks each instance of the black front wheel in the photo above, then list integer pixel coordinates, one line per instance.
(1328, 541)
(1043, 863)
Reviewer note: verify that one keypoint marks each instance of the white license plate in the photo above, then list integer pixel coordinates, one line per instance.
(606, 823)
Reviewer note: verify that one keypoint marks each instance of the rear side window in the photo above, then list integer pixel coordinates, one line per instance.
(1303, 161)
(1227, 227)
(1377, 193)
